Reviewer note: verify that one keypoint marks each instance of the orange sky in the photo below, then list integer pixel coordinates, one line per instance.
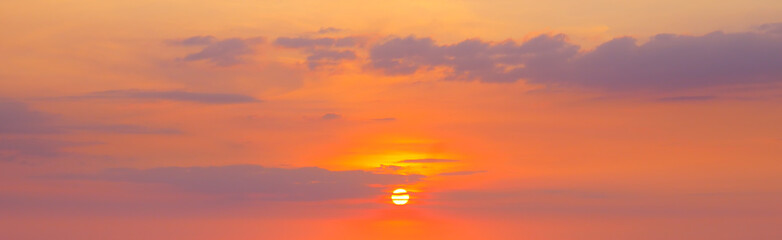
(296, 119)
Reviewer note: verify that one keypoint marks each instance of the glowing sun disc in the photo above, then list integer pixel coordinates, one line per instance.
(400, 197)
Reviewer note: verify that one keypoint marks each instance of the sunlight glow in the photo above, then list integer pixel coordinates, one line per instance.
(400, 197)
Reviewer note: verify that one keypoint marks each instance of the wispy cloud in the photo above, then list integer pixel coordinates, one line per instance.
(427, 160)
(687, 98)
(225, 52)
(461, 173)
(174, 95)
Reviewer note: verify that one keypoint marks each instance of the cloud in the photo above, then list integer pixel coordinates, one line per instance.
(327, 57)
(195, 40)
(323, 42)
(226, 52)
(666, 62)
(427, 160)
(174, 95)
(686, 98)
(292, 184)
(329, 30)
(17, 118)
(323, 51)
(18, 122)
(330, 116)
(461, 173)
(775, 28)
(18, 148)
(390, 168)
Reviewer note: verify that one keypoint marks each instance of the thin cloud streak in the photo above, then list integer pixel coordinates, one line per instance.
(427, 160)
(265, 183)
(175, 95)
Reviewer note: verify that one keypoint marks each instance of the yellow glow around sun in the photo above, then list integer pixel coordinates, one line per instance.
(400, 197)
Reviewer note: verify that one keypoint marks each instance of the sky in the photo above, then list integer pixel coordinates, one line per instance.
(296, 119)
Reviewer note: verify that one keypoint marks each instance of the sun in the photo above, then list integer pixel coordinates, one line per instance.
(400, 197)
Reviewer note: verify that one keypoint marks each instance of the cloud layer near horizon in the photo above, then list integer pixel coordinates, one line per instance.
(172, 95)
(292, 184)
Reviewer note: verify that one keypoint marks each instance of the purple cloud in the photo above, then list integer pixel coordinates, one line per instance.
(291, 184)
(772, 28)
(17, 118)
(687, 98)
(175, 95)
(18, 122)
(329, 30)
(126, 129)
(330, 116)
(328, 57)
(666, 62)
(323, 42)
(195, 40)
(225, 52)
(24, 148)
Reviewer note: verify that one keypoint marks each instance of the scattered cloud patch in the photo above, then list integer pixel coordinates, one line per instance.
(287, 184)
(330, 116)
(391, 168)
(328, 57)
(174, 95)
(12, 149)
(323, 51)
(18, 118)
(226, 52)
(195, 40)
(329, 30)
(666, 62)
(323, 42)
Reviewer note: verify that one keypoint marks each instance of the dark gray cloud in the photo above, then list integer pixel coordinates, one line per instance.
(427, 160)
(330, 116)
(461, 173)
(174, 95)
(226, 52)
(294, 184)
(18, 118)
(665, 62)
(687, 98)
